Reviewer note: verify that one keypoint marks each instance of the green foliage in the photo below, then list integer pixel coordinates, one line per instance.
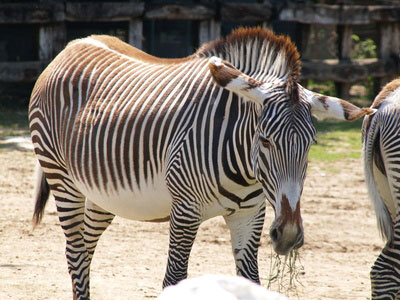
(362, 49)
(337, 141)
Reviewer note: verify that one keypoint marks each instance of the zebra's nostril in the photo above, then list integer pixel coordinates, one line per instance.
(299, 241)
(274, 234)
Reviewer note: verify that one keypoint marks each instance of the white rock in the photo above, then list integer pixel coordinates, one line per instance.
(218, 287)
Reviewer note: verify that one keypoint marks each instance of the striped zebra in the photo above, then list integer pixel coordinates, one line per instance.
(120, 132)
(381, 147)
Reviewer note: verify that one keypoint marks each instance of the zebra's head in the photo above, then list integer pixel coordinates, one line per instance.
(284, 135)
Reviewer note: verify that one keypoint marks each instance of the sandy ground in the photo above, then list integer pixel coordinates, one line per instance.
(341, 242)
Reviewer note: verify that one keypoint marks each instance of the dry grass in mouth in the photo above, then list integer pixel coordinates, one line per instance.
(284, 274)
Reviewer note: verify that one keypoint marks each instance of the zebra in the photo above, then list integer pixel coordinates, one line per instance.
(381, 155)
(120, 132)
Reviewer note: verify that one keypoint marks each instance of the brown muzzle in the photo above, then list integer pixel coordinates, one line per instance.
(286, 231)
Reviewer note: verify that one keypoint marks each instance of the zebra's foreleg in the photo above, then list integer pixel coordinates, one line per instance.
(184, 224)
(96, 222)
(246, 227)
(70, 206)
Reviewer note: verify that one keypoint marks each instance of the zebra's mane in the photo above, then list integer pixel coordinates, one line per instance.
(260, 54)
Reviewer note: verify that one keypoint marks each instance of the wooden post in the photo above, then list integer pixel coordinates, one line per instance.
(304, 46)
(52, 39)
(135, 33)
(204, 32)
(388, 45)
(209, 30)
(305, 36)
(395, 39)
(344, 49)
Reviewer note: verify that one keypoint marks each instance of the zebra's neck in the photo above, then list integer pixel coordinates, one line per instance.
(237, 130)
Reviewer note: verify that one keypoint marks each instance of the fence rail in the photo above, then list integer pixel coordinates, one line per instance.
(51, 17)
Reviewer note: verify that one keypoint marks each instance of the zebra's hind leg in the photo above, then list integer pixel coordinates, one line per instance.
(70, 205)
(184, 224)
(96, 222)
(246, 227)
(385, 273)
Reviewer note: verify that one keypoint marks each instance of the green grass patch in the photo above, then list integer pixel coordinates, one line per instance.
(337, 141)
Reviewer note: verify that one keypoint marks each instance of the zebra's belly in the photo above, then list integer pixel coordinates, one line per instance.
(151, 202)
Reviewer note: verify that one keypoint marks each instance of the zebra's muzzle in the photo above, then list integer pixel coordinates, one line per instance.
(286, 238)
(286, 231)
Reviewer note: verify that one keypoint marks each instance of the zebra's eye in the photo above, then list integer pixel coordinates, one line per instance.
(266, 142)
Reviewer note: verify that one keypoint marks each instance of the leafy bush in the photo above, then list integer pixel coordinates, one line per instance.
(362, 49)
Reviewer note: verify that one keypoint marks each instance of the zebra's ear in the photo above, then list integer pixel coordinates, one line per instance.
(323, 107)
(227, 76)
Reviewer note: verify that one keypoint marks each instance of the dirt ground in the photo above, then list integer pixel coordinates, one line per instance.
(341, 242)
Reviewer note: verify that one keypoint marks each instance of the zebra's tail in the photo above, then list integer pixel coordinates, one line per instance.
(384, 220)
(42, 192)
